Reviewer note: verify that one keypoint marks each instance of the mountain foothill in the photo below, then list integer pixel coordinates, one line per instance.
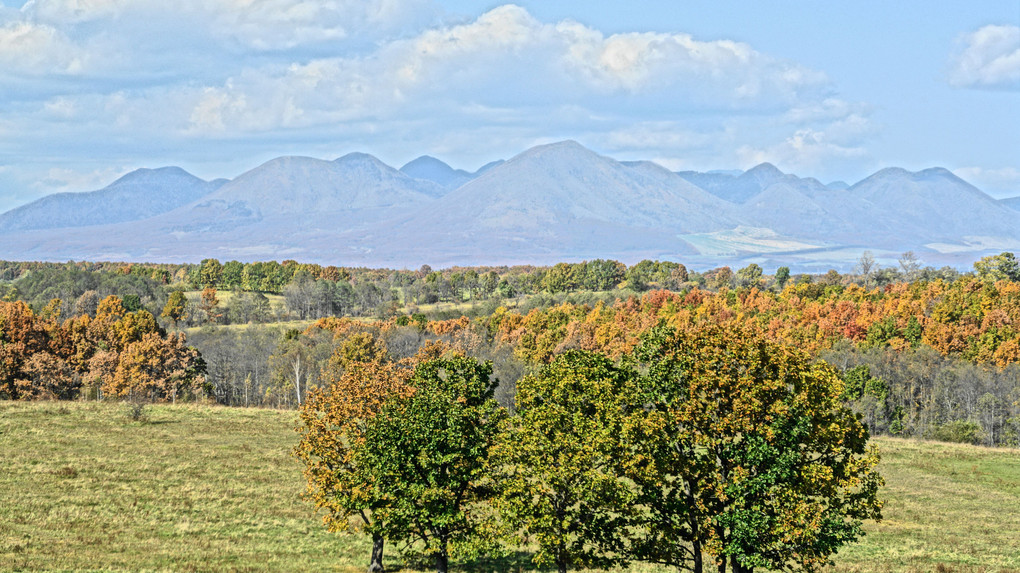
(550, 203)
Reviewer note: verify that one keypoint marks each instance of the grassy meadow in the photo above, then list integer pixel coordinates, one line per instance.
(199, 488)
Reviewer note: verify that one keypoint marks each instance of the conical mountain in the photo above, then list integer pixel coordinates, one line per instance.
(563, 182)
(431, 169)
(566, 199)
(138, 195)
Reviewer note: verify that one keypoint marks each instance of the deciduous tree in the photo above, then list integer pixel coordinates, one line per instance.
(157, 369)
(176, 307)
(332, 427)
(558, 464)
(427, 454)
(749, 454)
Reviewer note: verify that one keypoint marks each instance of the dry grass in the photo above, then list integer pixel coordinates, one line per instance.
(84, 487)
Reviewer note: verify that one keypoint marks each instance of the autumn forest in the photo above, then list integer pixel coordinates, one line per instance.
(594, 414)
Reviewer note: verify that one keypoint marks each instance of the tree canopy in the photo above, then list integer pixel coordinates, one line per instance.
(749, 454)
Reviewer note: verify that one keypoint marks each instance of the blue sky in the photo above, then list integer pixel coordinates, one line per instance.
(92, 89)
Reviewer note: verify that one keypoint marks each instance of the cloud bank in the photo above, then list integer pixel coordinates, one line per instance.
(114, 81)
(988, 58)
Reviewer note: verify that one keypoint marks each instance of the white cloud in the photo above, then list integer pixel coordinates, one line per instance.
(805, 152)
(1004, 181)
(569, 55)
(276, 76)
(73, 11)
(507, 58)
(36, 50)
(253, 24)
(988, 58)
(63, 179)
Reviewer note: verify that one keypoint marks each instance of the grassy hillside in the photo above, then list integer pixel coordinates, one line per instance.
(82, 486)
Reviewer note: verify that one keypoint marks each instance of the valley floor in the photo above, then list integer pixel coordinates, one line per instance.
(199, 488)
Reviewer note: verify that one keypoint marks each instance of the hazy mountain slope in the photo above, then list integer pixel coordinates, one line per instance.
(787, 207)
(306, 185)
(563, 198)
(1012, 203)
(737, 188)
(138, 195)
(303, 192)
(550, 203)
(559, 183)
(933, 204)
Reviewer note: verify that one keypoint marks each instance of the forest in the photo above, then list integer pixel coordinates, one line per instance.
(925, 352)
(726, 411)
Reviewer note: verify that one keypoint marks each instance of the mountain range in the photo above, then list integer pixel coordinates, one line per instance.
(550, 203)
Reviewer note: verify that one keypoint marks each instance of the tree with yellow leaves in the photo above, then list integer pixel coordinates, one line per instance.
(748, 454)
(157, 369)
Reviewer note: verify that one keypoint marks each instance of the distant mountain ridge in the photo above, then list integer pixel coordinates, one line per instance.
(138, 195)
(550, 203)
(303, 187)
(1011, 202)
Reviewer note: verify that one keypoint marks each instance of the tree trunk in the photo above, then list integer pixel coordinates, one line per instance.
(442, 560)
(561, 549)
(736, 567)
(376, 566)
(297, 378)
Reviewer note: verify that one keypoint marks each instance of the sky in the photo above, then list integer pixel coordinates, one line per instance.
(93, 89)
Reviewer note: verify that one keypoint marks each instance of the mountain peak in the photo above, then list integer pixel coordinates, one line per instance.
(567, 145)
(358, 157)
(431, 169)
(560, 151)
(887, 173)
(424, 162)
(764, 171)
(137, 195)
(933, 173)
(159, 173)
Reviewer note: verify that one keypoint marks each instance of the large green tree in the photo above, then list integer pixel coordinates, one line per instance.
(558, 463)
(427, 455)
(746, 453)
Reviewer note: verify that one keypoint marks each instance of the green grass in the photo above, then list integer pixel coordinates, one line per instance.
(949, 507)
(83, 487)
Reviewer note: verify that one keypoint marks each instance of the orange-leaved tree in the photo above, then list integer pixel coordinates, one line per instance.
(332, 422)
(158, 368)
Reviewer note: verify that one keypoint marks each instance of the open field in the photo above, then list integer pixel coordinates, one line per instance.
(276, 301)
(282, 326)
(83, 487)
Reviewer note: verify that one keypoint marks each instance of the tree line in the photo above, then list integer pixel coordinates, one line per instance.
(942, 348)
(704, 447)
(314, 291)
